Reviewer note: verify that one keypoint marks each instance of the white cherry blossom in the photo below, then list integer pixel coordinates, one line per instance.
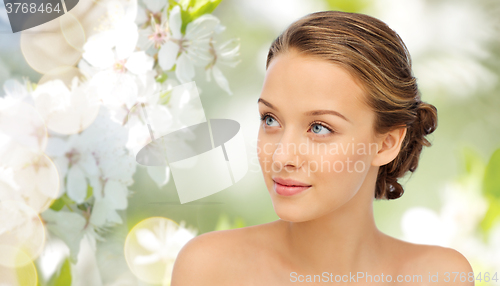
(97, 157)
(163, 242)
(66, 110)
(223, 54)
(151, 9)
(112, 53)
(193, 46)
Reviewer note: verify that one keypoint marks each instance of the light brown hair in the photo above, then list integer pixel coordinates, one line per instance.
(374, 54)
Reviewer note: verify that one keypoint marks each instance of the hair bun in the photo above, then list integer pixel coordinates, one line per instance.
(426, 118)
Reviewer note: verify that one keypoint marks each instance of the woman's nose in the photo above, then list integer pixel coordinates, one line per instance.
(287, 153)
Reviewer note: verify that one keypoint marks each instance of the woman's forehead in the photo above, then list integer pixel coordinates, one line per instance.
(311, 82)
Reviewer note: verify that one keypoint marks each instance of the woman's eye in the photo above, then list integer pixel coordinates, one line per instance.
(320, 129)
(316, 128)
(270, 121)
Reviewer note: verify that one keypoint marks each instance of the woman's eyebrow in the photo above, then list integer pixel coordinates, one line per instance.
(267, 104)
(332, 112)
(309, 113)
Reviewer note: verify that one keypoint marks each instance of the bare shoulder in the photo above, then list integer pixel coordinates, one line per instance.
(450, 265)
(445, 266)
(209, 259)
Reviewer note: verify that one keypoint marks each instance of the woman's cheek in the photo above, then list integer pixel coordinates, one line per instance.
(264, 155)
(260, 149)
(340, 172)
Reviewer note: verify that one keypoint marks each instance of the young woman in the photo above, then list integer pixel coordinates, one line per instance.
(341, 121)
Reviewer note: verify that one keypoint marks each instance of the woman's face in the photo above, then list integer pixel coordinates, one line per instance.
(316, 130)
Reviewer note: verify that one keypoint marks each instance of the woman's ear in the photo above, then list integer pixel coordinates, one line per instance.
(389, 145)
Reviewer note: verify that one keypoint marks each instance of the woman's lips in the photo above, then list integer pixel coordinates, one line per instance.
(288, 190)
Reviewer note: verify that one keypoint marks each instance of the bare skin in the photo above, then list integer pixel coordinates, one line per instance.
(328, 228)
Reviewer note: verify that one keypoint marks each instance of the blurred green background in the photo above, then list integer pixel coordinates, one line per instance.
(468, 103)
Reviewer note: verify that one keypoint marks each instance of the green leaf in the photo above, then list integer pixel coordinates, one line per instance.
(491, 216)
(64, 200)
(67, 200)
(186, 19)
(63, 276)
(199, 3)
(195, 9)
(185, 4)
(207, 7)
(162, 78)
(26, 275)
(491, 180)
(58, 204)
(90, 192)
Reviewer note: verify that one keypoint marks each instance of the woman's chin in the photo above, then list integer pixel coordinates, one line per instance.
(293, 214)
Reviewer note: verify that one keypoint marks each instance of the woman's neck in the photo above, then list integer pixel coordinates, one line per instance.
(345, 240)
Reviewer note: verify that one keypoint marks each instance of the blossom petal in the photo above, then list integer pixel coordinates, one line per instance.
(130, 11)
(159, 174)
(219, 28)
(99, 211)
(221, 79)
(103, 213)
(147, 259)
(168, 55)
(89, 164)
(76, 184)
(199, 53)
(155, 6)
(160, 118)
(62, 169)
(115, 89)
(56, 147)
(148, 87)
(116, 193)
(68, 227)
(185, 69)
(142, 15)
(207, 75)
(139, 63)
(202, 27)
(148, 240)
(96, 185)
(127, 36)
(113, 217)
(227, 53)
(98, 50)
(15, 89)
(175, 22)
